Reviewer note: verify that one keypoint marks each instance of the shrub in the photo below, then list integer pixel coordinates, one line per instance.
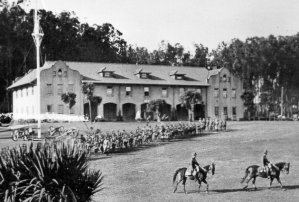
(47, 174)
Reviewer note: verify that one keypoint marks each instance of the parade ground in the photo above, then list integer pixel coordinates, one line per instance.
(145, 173)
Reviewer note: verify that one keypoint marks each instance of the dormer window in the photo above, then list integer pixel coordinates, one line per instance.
(176, 75)
(141, 74)
(107, 74)
(179, 77)
(144, 75)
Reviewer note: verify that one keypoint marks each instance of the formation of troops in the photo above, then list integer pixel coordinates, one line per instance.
(97, 141)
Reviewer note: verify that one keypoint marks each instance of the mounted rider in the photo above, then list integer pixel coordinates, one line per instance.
(267, 165)
(195, 165)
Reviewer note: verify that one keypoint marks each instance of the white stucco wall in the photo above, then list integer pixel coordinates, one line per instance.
(25, 103)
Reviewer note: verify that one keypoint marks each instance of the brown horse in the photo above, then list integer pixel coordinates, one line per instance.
(253, 172)
(200, 176)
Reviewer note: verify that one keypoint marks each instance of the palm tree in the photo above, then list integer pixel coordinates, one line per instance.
(69, 98)
(189, 99)
(88, 90)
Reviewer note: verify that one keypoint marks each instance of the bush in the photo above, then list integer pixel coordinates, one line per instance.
(40, 174)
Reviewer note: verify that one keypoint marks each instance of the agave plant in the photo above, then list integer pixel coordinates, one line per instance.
(44, 175)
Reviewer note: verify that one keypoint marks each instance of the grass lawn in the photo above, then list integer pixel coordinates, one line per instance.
(146, 174)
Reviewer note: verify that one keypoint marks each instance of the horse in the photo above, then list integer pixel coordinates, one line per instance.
(200, 176)
(253, 172)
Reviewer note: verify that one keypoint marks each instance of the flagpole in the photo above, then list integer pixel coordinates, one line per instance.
(37, 37)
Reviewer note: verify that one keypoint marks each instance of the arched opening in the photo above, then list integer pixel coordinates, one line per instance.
(165, 111)
(199, 111)
(129, 111)
(110, 111)
(181, 113)
(146, 112)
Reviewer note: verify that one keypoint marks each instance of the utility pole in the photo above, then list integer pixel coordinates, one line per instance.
(37, 37)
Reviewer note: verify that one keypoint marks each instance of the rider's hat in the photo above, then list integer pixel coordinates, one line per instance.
(266, 151)
(195, 154)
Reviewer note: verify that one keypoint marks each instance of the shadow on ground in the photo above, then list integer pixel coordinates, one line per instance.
(222, 191)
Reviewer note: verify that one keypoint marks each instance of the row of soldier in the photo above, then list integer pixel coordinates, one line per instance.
(209, 124)
(117, 140)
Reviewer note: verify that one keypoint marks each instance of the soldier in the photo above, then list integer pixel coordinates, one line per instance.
(194, 163)
(266, 164)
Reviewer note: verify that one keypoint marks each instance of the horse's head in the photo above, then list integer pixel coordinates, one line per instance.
(286, 167)
(212, 168)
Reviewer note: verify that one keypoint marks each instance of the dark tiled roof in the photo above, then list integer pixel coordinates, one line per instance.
(126, 73)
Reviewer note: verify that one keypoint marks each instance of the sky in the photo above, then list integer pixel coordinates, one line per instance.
(146, 23)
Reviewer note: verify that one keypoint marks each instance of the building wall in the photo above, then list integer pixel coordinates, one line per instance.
(24, 102)
(232, 82)
(69, 81)
(119, 97)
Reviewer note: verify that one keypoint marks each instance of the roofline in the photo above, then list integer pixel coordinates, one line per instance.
(33, 83)
(154, 84)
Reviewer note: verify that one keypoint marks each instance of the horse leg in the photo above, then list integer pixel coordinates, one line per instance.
(271, 180)
(247, 182)
(184, 183)
(199, 185)
(177, 183)
(253, 182)
(278, 180)
(207, 185)
(176, 186)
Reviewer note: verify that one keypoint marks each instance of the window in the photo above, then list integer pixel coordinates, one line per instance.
(49, 108)
(72, 110)
(234, 110)
(179, 77)
(71, 88)
(164, 92)
(107, 74)
(26, 91)
(16, 92)
(32, 90)
(128, 91)
(109, 91)
(216, 111)
(54, 73)
(21, 92)
(49, 89)
(146, 91)
(216, 92)
(224, 78)
(225, 111)
(59, 89)
(65, 74)
(224, 92)
(60, 73)
(234, 93)
(60, 109)
(143, 75)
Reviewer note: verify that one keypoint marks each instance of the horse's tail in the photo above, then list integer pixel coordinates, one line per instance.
(177, 172)
(246, 174)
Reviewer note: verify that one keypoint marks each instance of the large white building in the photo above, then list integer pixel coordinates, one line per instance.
(126, 89)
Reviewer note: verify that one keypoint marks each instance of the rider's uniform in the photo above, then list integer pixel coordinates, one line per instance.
(194, 163)
(266, 163)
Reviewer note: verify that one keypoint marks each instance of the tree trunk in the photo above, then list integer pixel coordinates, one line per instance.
(90, 110)
(157, 114)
